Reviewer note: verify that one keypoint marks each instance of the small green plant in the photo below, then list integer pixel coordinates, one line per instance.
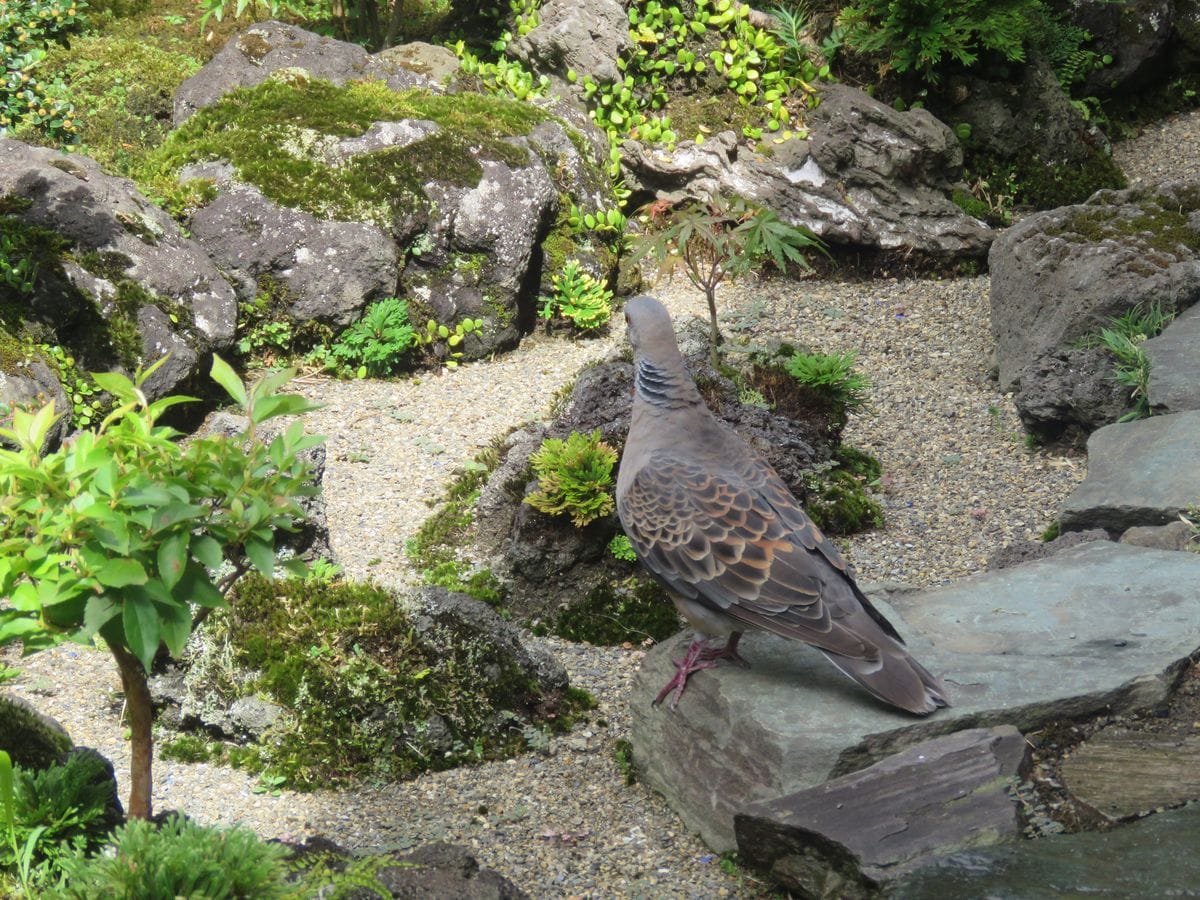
(178, 859)
(88, 405)
(621, 549)
(439, 343)
(831, 376)
(623, 757)
(48, 814)
(1124, 338)
(574, 477)
(717, 241)
(18, 270)
(376, 344)
(580, 298)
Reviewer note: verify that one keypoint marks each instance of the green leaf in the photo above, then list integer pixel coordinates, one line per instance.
(116, 384)
(262, 554)
(142, 627)
(176, 621)
(173, 558)
(224, 375)
(6, 790)
(98, 611)
(196, 587)
(119, 573)
(208, 551)
(174, 513)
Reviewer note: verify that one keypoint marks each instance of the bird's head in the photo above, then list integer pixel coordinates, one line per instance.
(660, 376)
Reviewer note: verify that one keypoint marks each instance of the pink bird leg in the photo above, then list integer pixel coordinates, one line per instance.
(699, 656)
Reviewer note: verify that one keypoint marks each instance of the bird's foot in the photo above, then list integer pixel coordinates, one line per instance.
(728, 651)
(699, 656)
(693, 661)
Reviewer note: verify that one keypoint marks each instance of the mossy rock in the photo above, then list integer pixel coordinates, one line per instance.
(838, 501)
(628, 611)
(32, 740)
(377, 686)
(281, 135)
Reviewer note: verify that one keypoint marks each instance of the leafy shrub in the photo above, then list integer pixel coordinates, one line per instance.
(48, 814)
(377, 343)
(150, 521)
(579, 298)
(831, 376)
(178, 859)
(622, 549)
(27, 27)
(574, 477)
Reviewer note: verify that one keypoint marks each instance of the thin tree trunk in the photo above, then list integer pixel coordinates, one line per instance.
(141, 720)
(710, 295)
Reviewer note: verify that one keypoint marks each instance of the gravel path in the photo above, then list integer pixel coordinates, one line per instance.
(959, 483)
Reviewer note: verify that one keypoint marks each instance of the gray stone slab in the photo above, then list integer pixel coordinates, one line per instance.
(1099, 626)
(1122, 774)
(1175, 364)
(1139, 473)
(1155, 857)
(852, 835)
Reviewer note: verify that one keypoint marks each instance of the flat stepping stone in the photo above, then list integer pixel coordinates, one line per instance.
(1145, 472)
(1100, 626)
(1155, 857)
(1123, 774)
(854, 834)
(1175, 364)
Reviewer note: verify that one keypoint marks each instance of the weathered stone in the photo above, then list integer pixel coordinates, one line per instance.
(438, 64)
(1069, 386)
(1102, 626)
(1144, 472)
(1172, 536)
(251, 57)
(1122, 774)
(1174, 358)
(852, 835)
(31, 740)
(1061, 275)
(127, 259)
(330, 269)
(1027, 551)
(584, 36)
(868, 176)
(252, 716)
(1133, 35)
(1155, 857)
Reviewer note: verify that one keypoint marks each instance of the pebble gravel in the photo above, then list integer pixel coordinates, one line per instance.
(959, 482)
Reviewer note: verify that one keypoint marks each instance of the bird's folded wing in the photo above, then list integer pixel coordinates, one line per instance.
(718, 538)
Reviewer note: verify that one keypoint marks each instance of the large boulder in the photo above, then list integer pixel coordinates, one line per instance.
(1060, 276)
(1134, 35)
(583, 36)
(118, 284)
(867, 176)
(356, 193)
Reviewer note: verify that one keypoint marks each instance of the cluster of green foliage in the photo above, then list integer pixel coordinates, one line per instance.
(121, 532)
(27, 29)
(121, 88)
(178, 858)
(503, 76)
(720, 240)
(579, 297)
(574, 477)
(1123, 337)
(88, 402)
(366, 695)
(689, 47)
(378, 343)
(832, 377)
(927, 36)
(48, 815)
(622, 549)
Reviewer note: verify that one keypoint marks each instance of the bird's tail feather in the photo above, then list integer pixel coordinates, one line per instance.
(896, 678)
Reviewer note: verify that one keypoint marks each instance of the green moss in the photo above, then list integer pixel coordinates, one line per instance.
(699, 114)
(191, 748)
(1161, 227)
(277, 136)
(839, 502)
(1052, 531)
(1049, 186)
(629, 611)
(366, 695)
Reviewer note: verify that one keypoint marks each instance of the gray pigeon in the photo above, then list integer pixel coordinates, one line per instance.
(714, 524)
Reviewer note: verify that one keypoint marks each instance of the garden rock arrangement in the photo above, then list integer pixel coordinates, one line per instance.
(1060, 276)
(120, 280)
